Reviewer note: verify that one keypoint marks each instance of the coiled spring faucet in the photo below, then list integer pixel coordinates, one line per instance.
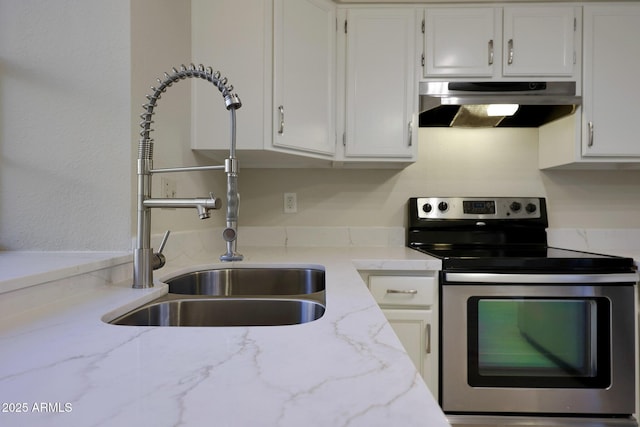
(144, 259)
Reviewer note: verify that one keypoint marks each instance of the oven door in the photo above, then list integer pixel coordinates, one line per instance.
(536, 343)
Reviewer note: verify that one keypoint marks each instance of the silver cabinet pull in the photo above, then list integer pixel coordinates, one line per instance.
(510, 45)
(410, 133)
(590, 143)
(490, 52)
(281, 125)
(428, 338)
(402, 291)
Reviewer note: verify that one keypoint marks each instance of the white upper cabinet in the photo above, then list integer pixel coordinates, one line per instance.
(495, 42)
(611, 71)
(539, 41)
(605, 133)
(280, 57)
(461, 41)
(304, 75)
(378, 56)
(246, 61)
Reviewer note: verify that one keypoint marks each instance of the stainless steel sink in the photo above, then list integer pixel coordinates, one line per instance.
(249, 282)
(177, 311)
(239, 296)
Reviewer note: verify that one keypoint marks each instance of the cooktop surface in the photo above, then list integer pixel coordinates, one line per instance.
(525, 258)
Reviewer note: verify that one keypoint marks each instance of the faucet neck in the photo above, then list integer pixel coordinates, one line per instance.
(143, 254)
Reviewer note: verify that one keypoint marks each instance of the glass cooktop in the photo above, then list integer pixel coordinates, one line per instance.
(525, 258)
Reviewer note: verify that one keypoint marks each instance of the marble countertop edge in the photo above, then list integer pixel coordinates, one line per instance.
(20, 269)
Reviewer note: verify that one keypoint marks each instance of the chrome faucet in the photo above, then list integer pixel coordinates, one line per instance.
(144, 259)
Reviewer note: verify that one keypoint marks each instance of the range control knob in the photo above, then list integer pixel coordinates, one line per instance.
(530, 208)
(515, 206)
(427, 207)
(443, 206)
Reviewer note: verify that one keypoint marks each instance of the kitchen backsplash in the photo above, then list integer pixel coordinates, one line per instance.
(624, 242)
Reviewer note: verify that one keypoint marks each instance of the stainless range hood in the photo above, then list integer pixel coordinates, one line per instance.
(464, 104)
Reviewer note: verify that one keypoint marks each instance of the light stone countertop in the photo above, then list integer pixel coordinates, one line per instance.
(62, 365)
(23, 269)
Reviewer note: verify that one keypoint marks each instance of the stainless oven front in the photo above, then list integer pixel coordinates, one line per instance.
(543, 344)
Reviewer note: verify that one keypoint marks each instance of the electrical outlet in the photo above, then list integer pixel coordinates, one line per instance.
(290, 203)
(169, 188)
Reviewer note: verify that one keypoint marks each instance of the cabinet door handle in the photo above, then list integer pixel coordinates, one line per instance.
(402, 291)
(281, 117)
(410, 133)
(490, 52)
(428, 338)
(590, 143)
(510, 46)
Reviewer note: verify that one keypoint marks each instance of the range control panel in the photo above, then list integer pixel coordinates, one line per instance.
(478, 207)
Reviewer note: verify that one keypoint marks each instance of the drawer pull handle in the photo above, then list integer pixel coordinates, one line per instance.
(428, 338)
(397, 291)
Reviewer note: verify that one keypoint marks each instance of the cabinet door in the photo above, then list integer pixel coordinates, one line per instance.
(246, 62)
(611, 70)
(461, 41)
(417, 333)
(304, 75)
(538, 41)
(381, 96)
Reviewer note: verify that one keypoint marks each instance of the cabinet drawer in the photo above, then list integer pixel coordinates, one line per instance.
(402, 290)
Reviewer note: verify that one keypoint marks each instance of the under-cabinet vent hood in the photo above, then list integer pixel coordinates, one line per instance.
(462, 104)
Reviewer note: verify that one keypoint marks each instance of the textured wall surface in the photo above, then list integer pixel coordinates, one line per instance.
(64, 125)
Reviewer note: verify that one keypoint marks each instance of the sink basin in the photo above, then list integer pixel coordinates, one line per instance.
(223, 312)
(249, 281)
(238, 296)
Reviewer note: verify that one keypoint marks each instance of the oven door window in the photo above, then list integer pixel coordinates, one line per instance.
(539, 342)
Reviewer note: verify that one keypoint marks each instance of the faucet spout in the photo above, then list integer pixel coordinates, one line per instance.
(202, 205)
(143, 257)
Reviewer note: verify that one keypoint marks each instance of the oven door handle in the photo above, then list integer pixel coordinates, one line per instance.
(540, 278)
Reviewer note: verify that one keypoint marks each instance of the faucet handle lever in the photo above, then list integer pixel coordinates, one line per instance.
(158, 260)
(164, 241)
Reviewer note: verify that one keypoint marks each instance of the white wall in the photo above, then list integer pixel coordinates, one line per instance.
(64, 124)
(73, 78)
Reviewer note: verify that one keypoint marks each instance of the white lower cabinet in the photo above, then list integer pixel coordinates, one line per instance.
(409, 303)
(415, 329)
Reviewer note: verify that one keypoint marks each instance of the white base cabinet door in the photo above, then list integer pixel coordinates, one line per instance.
(409, 302)
(415, 329)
